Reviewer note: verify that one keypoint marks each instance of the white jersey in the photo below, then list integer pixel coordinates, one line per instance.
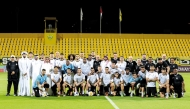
(81, 60)
(163, 78)
(92, 79)
(52, 61)
(91, 62)
(35, 69)
(86, 68)
(105, 64)
(113, 71)
(72, 62)
(77, 64)
(116, 81)
(55, 77)
(143, 74)
(69, 79)
(121, 66)
(152, 75)
(99, 74)
(49, 68)
(78, 78)
(106, 78)
(61, 63)
(56, 62)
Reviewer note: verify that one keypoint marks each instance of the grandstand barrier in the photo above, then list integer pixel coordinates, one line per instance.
(96, 35)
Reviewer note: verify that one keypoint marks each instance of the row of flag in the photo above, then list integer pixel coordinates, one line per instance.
(101, 12)
(81, 14)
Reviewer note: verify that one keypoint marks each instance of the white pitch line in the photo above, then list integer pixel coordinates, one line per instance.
(111, 102)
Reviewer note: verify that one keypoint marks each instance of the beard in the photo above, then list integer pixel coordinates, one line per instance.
(24, 56)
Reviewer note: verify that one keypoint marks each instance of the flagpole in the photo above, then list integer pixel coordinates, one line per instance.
(100, 24)
(81, 15)
(120, 27)
(81, 26)
(81, 18)
(120, 21)
(100, 20)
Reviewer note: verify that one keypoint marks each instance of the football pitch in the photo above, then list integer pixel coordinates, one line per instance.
(94, 102)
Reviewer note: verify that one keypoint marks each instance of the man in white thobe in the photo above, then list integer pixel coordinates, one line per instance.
(31, 59)
(24, 81)
(35, 69)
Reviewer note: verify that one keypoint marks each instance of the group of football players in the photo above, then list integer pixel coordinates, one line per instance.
(88, 76)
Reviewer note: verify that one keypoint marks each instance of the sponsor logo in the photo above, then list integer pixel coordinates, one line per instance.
(50, 37)
(184, 68)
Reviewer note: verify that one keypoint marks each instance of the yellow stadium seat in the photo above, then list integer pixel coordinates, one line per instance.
(123, 46)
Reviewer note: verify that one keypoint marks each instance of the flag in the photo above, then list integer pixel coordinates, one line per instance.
(81, 14)
(120, 15)
(101, 12)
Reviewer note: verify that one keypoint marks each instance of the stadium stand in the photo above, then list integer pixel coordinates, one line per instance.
(132, 45)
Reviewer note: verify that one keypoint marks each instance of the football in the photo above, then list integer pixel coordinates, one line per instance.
(76, 94)
(44, 94)
(90, 93)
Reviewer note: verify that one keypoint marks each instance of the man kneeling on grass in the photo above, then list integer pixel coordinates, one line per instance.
(40, 85)
(163, 80)
(56, 80)
(79, 82)
(178, 85)
(134, 81)
(68, 82)
(106, 79)
(92, 83)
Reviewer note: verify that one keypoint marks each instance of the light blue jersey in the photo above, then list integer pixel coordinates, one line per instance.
(41, 79)
(126, 77)
(134, 79)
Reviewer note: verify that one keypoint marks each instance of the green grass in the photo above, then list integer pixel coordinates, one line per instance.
(90, 102)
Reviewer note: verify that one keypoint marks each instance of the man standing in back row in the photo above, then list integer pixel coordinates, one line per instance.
(35, 69)
(13, 70)
(24, 82)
